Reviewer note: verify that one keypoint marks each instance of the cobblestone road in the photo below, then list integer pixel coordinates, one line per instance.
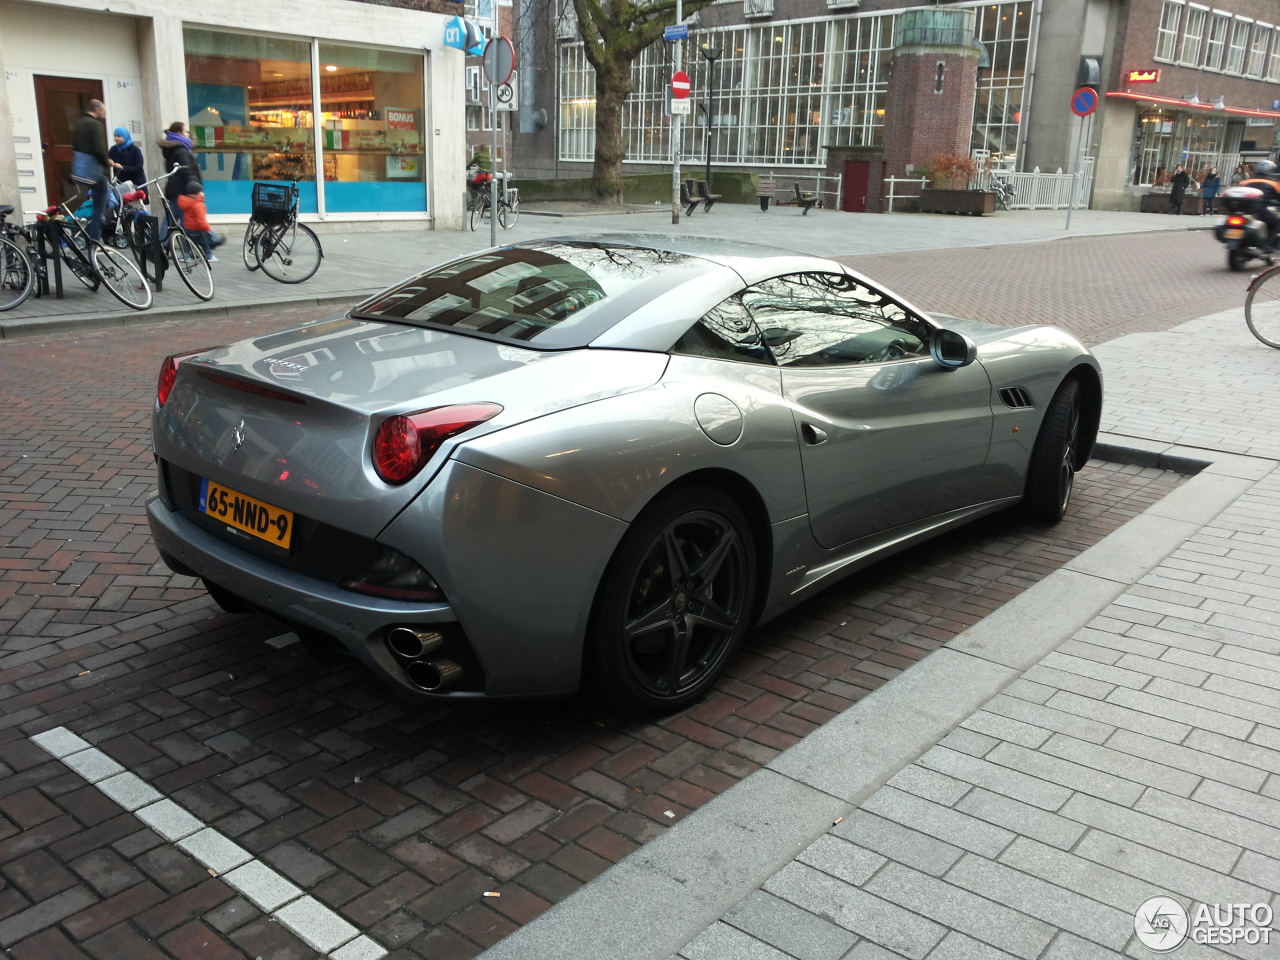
(396, 815)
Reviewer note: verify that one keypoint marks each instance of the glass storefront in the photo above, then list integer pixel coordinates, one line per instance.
(254, 119)
(1198, 141)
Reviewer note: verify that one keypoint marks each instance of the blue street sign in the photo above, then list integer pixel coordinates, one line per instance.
(1275, 104)
(464, 35)
(1084, 101)
(678, 32)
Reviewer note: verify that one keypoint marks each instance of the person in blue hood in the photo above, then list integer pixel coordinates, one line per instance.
(126, 158)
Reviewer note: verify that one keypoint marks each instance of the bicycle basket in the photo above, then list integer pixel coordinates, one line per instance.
(272, 203)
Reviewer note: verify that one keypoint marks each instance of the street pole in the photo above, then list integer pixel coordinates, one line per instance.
(711, 55)
(675, 128)
(1075, 173)
(493, 156)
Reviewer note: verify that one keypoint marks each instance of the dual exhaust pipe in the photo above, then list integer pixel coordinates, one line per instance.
(415, 647)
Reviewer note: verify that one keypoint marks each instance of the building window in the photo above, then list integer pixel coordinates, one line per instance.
(858, 80)
(1239, 44)
(473, 117)
(1167, 138)
(1273, 71)
(1167, 35)
(252, 116)
(1005, 30)
(577, 104)
(1258, 50)
(1216, 46)
(1192, 35)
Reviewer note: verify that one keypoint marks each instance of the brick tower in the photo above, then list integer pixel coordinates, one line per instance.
(932, 88)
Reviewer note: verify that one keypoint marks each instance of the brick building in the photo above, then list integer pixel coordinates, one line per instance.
(829, 88)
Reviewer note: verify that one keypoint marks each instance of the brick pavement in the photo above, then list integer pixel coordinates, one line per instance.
(395, 814)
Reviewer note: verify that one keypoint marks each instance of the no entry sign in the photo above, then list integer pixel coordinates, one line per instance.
(1084, 101)
(679, 85)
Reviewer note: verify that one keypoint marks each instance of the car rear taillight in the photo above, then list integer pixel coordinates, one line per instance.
(1235, 221)
(407, 441)
(169, 371)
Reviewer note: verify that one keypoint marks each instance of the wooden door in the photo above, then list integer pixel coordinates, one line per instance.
(59, 103)
(857, 173)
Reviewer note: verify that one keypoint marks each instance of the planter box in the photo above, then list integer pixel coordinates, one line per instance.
(1159, 203)
(957, 201)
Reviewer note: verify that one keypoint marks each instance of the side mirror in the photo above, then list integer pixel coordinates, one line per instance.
(951, 349)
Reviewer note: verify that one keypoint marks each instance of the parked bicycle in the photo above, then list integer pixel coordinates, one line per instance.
(17, 268)
(287, 251)
(1004, 192)
(180, 250)
(95, 264)
(508, 208)
(1262, 307)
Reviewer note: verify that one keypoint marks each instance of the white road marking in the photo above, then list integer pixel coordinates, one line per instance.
(308, 919)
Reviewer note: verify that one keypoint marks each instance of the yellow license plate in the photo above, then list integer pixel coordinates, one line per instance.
(1234, 234)
(246, 514)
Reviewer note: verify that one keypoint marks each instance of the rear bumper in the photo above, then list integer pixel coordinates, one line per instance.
(296, 600)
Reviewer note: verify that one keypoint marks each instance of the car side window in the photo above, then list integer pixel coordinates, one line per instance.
(823, 319)
(726, 332)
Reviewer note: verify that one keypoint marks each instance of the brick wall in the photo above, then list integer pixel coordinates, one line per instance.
(920, 122)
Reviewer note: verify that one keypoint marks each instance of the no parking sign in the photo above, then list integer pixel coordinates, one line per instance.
(1084, 101)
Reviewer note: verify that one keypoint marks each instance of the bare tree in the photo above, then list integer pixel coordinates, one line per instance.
(613, 33)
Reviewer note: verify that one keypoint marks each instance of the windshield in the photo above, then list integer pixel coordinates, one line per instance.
(551, 293)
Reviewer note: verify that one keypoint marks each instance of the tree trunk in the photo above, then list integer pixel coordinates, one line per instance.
(613, 86)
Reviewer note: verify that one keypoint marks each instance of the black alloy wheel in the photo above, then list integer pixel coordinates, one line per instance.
(1051, 474)
(675, 602)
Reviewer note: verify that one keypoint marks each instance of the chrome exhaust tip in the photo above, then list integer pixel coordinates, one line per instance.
(410, 643)
(434, 675)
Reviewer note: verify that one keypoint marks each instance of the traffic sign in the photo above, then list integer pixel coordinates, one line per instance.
(499, 60)
(680, 85)
(505, 95)
(681, 108)
(678, 32)
(1084, 101)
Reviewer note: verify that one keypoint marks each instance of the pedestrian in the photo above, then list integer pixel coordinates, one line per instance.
(195, 218)
(126, 157)
(1240, 173)
(89, 164)
(1211, 187)
(176, 148)
(1179, 183)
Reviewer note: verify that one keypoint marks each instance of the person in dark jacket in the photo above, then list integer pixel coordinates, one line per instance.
(127, 158)
(1210, 189)
(1179, 183)
(89, 164)
(176, 148)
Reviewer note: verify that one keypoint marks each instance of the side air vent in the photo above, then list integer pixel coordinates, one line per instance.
(1015, 397)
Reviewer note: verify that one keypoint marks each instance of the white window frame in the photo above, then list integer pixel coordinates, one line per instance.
(1197, 17)
(1168, 30)
(1238, 48)
(1273, 68)
(1259, 42)
(1215, 45)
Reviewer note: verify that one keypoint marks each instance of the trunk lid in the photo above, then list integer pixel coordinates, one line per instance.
(289, 418)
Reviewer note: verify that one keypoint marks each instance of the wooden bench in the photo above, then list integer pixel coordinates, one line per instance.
(708, 198)
(806, 200)
(767, 191)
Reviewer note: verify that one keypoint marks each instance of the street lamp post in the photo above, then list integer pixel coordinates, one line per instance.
(711, 55)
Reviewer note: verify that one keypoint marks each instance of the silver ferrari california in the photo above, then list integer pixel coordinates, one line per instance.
(598, 461)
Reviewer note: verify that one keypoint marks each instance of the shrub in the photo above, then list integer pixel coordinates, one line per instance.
(951, 171)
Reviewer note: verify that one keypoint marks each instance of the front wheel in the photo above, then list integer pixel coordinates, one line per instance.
(249, 247)
(1237, 260)
(479, 214)
(1051, 474)
(192, 267)
(1262, 308)
(675, 602)
(119, 275)
(17, 278)
(289, 253)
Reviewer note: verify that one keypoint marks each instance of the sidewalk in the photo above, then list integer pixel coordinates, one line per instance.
(358, 264)
(1111, 735)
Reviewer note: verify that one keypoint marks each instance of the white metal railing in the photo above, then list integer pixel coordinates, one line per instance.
(891, 195)
(1043, 191)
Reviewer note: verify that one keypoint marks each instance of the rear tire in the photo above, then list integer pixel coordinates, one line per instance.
(675, 602)
(1051, 474)
(1236, 260)
(249, 246)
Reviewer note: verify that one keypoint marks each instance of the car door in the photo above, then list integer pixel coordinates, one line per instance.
(887, 437)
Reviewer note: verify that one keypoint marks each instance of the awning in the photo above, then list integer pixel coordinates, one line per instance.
(1183, 104)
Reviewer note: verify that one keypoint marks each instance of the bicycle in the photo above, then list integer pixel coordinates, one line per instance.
(17, 274)
(508, 209)
(95, 264)
(286, 250)
(1262, 307)
(181, 251)
(1004, 192)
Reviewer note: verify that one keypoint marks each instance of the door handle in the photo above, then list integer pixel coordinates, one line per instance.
(812, 435)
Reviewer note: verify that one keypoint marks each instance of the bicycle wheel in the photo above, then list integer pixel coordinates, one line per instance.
(75, 255)
(16, 276)
(1262, 308)
(479, 213)
(191, 265)
(121, 277)
(508, 214)
(289, 253)
(249, 248)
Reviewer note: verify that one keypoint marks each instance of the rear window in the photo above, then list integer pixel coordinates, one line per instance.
(548, 294)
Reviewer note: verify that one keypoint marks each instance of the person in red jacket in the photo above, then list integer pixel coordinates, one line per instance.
(195, 218)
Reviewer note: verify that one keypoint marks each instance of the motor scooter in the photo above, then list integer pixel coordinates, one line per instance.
(1244, 233)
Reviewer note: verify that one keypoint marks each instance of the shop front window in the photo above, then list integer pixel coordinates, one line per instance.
(251, 115)
(372, 113)
(1198, 141)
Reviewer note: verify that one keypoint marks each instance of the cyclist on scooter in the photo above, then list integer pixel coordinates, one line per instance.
(1266, 178)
